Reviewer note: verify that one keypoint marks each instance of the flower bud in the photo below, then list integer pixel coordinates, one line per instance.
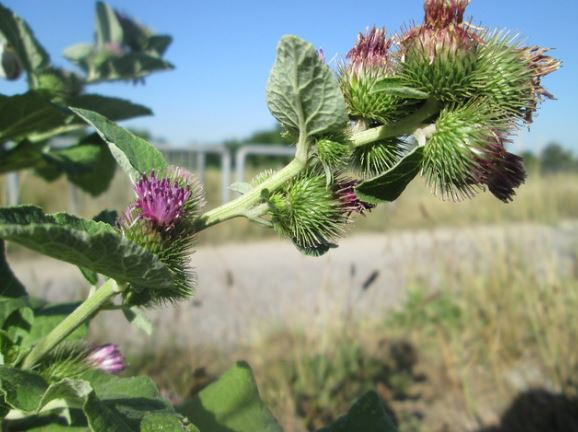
(439, 55)
(510, 76)
(311, 213)
(376, 158)
(350, 202)
(452, 155)
(368, 62)
(333, 154)
(107, 358)
(161, 220)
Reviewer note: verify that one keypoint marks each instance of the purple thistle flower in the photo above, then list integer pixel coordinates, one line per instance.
(161, 201)
(345, 192)
(107, 358)
(443, 29)
(501, 171)
(371, 50)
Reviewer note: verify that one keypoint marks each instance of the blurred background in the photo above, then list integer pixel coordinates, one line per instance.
(462, 316)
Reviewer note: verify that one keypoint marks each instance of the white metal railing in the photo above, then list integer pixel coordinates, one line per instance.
(191, 158)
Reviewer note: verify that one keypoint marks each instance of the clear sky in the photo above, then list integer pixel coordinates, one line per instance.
(223, 51)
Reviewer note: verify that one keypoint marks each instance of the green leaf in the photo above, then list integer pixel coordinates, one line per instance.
(10, 286)
(396, 86)
(108, 28)
(88, 165)
(135, 155)
(129, 398)
(388, 186)
(23, 155)
(93, 245)
(21, 389)
(32, 55)
(231, 404)
(164, 423)
(27, 113)
(302, 93)
(136, 317)
(367, 415)
(114, 109)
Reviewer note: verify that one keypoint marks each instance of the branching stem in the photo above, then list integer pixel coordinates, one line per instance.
(403, 127)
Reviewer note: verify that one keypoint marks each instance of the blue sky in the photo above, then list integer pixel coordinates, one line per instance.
(223, 51)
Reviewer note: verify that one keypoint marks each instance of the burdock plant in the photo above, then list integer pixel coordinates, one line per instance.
(441, 99)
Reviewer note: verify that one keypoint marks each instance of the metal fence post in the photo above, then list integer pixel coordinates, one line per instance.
(12, 189)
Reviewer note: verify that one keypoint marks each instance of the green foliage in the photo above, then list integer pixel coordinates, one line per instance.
(390, 185)
(367, 415)
(11, 286)
(301, 92)
(22, 115)
(123, 49)
(109, 403)
(31, 54)
(93, 245)
(231, 404)
(554, 159)
(134, 155)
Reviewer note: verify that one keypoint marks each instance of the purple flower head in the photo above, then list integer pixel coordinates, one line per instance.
(371, 50)
(107, 358)
(345, 191)
(161, 201)
(501, 171)
(443, 29)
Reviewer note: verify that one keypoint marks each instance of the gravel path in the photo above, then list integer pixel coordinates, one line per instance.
(245, 290)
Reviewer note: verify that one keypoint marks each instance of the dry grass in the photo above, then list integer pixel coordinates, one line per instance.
(451, 358)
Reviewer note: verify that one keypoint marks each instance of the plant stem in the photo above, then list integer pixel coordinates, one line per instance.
(239, 206)
(80, 315)
(402, 127)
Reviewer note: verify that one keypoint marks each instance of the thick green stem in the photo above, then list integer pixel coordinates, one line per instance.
(239, 206)
(78, 317)
(403, 127)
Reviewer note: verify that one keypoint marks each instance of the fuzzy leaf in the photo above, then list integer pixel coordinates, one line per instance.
(21, 389)
(231, 404)
(367, 415)
(395, 86)
(388, 186)
(93, 245)
(27, 113)
(135, 155)
(302, 92)
(32, 55)
(10, 286)
(108, 28)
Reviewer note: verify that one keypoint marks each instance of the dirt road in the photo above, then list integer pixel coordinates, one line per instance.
(244, 290)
